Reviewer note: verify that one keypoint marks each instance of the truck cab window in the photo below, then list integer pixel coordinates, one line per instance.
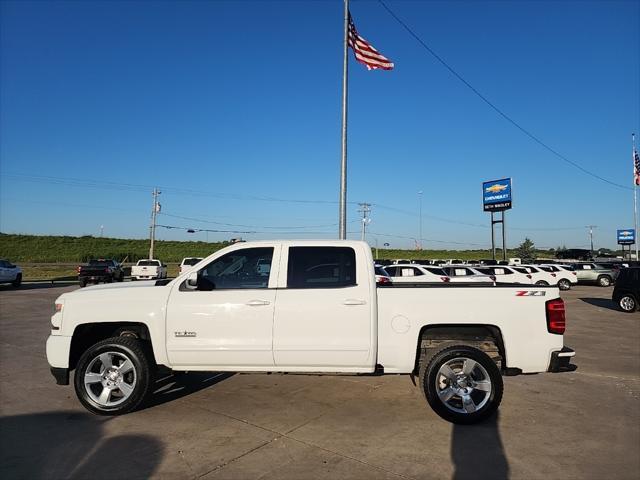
(321, 267)
(243, 269)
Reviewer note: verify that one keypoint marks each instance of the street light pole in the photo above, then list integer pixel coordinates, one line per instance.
(420, 214)
(154, 213)
(591, 227)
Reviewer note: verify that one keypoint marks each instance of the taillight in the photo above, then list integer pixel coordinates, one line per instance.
(556, 321)
(553, 274)
(79, 267)
(445, 279)
(529, 276)
(575, 273)
(492, 277)
(384, 281)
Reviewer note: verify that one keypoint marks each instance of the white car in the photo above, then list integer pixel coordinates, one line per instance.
(506, 274)
(315, 309)
(187, 263)
(466, 274)
(382, 276)
(539, 276)
(148, 270)
(564, 277)
(10, 273)
(411, 273)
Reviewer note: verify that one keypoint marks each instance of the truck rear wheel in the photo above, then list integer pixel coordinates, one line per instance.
(113, 376)
(462, 384)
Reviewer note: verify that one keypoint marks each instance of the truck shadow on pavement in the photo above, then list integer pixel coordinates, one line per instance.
(477, 452)
(172, 386)
(66, 444)
(602, 303)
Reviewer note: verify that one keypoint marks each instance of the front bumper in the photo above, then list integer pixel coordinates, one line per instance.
(61, 375)
(560, 361)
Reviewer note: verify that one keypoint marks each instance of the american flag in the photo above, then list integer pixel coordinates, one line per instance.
(636, 167)
(364, 51)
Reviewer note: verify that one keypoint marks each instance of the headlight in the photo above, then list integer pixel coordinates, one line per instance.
(57, 307)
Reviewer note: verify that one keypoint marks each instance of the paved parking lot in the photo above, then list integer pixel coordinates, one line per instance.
(584, 424)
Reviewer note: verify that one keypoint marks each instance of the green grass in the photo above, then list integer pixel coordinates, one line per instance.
(76, 250)
(59, 249)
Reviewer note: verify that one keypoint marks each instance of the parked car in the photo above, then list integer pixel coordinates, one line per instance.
(410, 273)
(626, 293)
(306, 318)
(592, 273)
(539, 276)
(187, 263)
(100, 271)
(10, 273)
(506, 274)
(466, 274)
(148, 270)
(382, 276)
(564, 278)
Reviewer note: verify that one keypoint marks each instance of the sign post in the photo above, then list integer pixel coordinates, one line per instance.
(627, 237)
(496, 197)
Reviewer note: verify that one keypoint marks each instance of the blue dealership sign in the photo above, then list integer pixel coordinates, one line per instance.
(626, 236)
(496, 195)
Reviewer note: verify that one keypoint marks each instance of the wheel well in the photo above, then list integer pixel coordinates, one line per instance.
(89, 334)
(465, 334)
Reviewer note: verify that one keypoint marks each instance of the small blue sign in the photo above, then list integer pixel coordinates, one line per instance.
(626, 236)
(496, 195)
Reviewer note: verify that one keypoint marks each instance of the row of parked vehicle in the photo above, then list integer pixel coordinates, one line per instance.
(562, 276)
(108, 270)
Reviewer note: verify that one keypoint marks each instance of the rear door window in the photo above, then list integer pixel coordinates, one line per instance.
(321, 267)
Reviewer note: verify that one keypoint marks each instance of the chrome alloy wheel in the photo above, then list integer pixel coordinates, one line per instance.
(110, 379)
(627, 303)
(463, 385)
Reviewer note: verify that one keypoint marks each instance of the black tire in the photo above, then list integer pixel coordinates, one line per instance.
(604, 281)
(564, 284)
(628, 303)
(139, 378)
(82, 282)
(431, 380)
(18, 281)
(541, 282)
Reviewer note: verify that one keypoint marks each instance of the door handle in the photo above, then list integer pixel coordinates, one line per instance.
(257, 303)
(354, 301)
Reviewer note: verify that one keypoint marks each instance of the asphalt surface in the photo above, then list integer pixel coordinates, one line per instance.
(584, 424)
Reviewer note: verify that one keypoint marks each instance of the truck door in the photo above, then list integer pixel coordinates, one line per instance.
(323, 316)
(227, 320)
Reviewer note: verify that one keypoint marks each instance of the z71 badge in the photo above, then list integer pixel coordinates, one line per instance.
(185, 334)
(530, 293)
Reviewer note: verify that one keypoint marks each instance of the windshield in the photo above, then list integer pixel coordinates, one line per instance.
(191, 261)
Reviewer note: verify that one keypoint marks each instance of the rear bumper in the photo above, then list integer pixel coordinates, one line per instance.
(561, 361)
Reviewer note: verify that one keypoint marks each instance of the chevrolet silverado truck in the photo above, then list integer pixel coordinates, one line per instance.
(305, 306)
(101, 270)
(149, 270)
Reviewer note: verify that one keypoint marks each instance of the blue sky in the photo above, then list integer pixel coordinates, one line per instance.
(234, 108)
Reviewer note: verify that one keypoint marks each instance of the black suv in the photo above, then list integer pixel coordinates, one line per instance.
(626, 293)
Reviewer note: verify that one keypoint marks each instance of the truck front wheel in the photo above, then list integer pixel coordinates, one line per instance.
(113, 376)
(462, 384)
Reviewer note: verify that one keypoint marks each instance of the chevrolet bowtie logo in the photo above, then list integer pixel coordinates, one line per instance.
(496, 188)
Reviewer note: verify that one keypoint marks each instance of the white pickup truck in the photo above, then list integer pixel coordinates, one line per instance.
(305, 306)
(149, 270)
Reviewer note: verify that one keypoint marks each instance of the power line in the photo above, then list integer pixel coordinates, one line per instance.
(494, 107)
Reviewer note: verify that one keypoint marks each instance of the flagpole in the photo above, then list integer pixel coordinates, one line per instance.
(343, 161)
(635, 191)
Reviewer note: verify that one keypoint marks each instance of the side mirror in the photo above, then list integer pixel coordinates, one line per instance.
(192, 279)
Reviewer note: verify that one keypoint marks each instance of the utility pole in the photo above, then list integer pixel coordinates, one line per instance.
(365, 209)
(591, 227)
(101, 231)
(420, 214)
(154, 212)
